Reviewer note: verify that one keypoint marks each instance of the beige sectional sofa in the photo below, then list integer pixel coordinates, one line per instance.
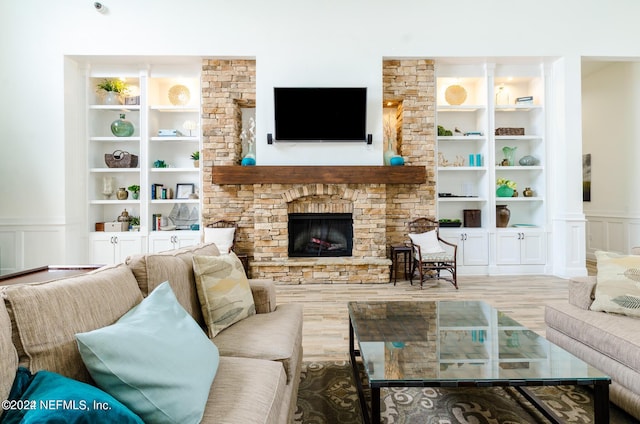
(609, 342)
(260, 356)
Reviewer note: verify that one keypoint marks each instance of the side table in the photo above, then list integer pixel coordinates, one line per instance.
(244, 258)
(396, 252)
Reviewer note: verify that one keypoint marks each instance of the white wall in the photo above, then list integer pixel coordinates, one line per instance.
(334, 42)
(611, 99)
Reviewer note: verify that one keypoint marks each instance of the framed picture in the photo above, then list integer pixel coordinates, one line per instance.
(184, 190)
(586, 177)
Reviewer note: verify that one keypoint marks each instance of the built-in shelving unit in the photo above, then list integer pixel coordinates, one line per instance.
(470, 160)
(154, 110)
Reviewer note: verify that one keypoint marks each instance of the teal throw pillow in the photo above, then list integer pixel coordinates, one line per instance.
(47, 397)
(155, 359)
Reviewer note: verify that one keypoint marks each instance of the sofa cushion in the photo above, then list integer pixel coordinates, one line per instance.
(67, 401)
(8, 355)
(275, 336)
(618, 284)
(46, 316)
(176, 267)
(156, 360)
(615, 336)
(246, 391)
(224, 291)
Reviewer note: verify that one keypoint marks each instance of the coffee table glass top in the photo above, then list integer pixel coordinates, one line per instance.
(457, 341)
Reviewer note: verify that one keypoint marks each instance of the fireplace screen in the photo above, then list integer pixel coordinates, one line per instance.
(320, 234)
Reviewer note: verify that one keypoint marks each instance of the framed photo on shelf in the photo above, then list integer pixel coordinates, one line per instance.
(184, 190)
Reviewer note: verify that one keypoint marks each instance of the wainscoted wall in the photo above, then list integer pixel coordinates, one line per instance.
(611, 233)
(380, 211)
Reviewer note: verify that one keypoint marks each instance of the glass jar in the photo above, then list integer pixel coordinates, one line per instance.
(121, 127)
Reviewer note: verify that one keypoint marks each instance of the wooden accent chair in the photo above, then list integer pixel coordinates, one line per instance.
(222, 233)
(430, 253)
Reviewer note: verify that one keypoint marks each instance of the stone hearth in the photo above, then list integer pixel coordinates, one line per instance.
(380, 211)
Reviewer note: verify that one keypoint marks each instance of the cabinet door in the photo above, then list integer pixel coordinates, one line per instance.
(161, 242)
(101, 249)
(475, 248)
(187, 238)
(533, 248)
(507, 248)
(127, 245)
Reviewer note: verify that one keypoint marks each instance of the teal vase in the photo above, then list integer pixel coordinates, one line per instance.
(504, 191)
(396, 160)
(121, 127)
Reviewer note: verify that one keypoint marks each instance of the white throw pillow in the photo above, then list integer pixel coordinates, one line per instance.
(222, 237)
(428, 242)
(618, 284)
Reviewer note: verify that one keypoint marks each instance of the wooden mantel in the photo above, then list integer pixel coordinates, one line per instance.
(319, 174)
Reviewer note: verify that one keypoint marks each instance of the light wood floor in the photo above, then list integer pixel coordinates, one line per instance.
(325, 325)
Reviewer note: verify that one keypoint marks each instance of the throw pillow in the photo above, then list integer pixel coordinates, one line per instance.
(47, 397)
(222, 237)
(618, 284)
(428, 242)
(224, 291)
(155, 359)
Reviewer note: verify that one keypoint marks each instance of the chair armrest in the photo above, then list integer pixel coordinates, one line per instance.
(264, 295)
(455, 246)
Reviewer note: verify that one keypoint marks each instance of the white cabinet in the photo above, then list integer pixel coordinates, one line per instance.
(163, 104)
(161, 241)
(473, 245)
(110, 248)
(520, 247)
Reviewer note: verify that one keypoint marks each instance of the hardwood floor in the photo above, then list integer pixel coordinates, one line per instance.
(325, 326)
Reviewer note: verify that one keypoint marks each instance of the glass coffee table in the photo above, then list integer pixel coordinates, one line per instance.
(459, 344)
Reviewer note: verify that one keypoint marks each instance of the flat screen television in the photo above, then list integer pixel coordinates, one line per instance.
(320, 114)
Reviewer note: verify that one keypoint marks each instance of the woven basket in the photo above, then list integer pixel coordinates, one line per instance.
(121, 159)
(509, 131)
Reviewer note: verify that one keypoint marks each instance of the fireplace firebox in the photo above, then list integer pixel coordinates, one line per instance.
(320, 234)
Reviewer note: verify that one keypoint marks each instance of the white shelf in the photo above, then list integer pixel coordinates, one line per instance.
(170, 170)
(463, 168)
(459, 138)
(123, 108)
(193, 139)
(114, 139)
(520, 168)
(460, 199)
(110, 170)
(518, 199)
(517, 108)
(172, 108)
(115, 202)
(195, 201)
(460, 108)
(519, 137)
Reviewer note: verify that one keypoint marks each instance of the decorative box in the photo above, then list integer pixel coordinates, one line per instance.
(509, 131)
(111, 227)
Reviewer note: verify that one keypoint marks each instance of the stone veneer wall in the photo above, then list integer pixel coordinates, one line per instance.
(380, 212)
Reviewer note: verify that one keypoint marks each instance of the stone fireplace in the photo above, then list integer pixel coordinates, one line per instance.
(379, 208)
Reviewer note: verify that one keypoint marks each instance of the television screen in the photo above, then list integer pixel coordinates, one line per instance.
(332, 114)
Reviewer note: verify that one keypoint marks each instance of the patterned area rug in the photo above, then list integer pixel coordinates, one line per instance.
(328, 395)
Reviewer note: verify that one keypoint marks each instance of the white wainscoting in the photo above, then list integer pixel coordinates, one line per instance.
(30, 246)
(612, 233)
